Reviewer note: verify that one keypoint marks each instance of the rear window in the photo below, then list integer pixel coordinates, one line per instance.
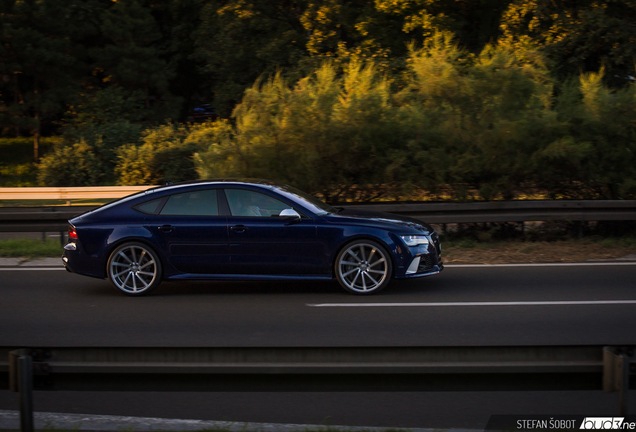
(195, 203)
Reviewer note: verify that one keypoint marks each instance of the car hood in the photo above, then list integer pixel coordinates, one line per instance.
(353, 215)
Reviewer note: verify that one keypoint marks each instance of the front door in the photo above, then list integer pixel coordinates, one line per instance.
(262, 243)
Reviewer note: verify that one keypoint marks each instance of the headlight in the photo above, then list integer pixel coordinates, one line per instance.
(414, 240)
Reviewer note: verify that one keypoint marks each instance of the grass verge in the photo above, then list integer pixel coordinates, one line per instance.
(30, 248)
(594, 248)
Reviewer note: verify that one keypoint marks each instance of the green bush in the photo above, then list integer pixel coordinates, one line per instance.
(478, 119)
(485, 126)
(78, 164)
(88, 155)
(166, 154)
(334, 133)
(17, 168)
(468, 122)
(594, 155)
(94, 128)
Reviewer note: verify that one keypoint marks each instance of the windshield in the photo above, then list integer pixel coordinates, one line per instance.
(312, 203)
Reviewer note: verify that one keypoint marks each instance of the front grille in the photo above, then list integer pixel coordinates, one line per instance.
(426, 264)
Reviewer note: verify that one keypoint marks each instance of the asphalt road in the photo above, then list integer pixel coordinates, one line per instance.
(537, 305)
(62, 309)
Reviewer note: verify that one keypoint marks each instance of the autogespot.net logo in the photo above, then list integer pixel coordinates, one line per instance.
(606, 423)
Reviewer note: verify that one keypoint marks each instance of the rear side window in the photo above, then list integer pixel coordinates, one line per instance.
(195, 203)
(150, 207)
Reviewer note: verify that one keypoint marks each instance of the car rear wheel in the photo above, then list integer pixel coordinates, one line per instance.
(134, 269)
(363, 267)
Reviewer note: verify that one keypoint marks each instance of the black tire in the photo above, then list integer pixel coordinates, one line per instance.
(363, 267)
(134, 269)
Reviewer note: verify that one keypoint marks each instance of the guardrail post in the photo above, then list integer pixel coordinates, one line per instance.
(623, 391)
(616, 371)
(21, 380)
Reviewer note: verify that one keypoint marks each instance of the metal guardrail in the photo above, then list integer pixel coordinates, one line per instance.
(53, 219)
(512, 211)
(317, 369)
(41, 219)
(69, 193)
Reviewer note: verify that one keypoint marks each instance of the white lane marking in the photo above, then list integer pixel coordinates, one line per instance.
(30, 268)
(542, 264)
(512, 303)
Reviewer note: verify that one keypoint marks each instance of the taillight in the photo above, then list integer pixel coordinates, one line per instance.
(71, 232)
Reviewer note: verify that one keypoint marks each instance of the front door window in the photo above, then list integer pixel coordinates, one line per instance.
(249, 203)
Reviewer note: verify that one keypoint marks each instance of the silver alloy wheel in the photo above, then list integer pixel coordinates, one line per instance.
(134, 269)
(363, 268)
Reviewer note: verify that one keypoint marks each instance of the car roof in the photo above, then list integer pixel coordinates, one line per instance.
(237, 181)
(226, 181)
(248, 181)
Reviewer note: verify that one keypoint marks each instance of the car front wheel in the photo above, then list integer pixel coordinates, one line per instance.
(134, 269)
(363, 267)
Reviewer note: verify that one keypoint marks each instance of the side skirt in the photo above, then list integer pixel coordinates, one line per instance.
(244, 277)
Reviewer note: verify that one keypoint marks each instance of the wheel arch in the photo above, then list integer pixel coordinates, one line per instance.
(142, 240)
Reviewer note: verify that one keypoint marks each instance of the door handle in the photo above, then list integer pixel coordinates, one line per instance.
(166, 228)
(239, 228)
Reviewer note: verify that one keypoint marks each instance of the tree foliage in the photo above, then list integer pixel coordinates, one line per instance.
(330, 133)
(577, 36)
(483, 126)
(41, 62)
(164, 155)
(350, 99)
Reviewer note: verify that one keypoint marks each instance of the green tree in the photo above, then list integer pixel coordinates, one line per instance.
(577, 36)
(340, 30)
(239, 40)
(474, 23)
(41, 60)
(178, 21)
(135, 57)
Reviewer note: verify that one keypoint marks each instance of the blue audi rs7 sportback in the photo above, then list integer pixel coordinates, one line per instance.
(245, 230)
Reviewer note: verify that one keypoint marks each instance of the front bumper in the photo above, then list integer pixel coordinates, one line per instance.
(425, 260)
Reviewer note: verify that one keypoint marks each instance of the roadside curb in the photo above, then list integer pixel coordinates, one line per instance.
(10, 420)
(25, 262)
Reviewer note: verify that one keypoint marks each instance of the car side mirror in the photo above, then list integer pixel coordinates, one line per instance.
(289, 214)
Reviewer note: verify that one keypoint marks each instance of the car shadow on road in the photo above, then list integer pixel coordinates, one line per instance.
(397, 288)
(178, 288)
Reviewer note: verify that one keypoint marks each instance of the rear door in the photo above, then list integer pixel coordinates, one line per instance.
(192, 232)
